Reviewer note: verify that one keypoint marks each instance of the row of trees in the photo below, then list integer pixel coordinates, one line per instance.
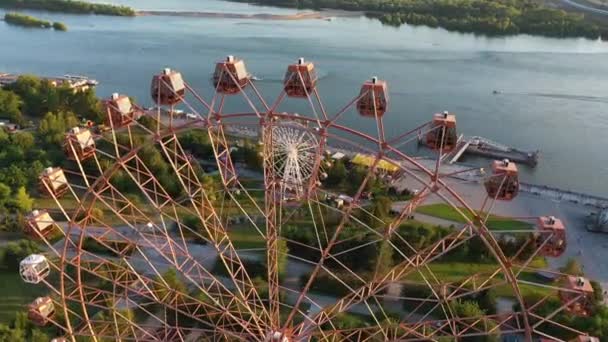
(24, 154)
(29, 21)
(32, 98)
(491, 17)
(69, 6)
(21, 330)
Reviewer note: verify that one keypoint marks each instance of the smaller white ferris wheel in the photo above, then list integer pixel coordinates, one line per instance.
(294, 151)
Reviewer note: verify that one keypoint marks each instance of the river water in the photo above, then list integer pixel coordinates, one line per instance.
(553, 93)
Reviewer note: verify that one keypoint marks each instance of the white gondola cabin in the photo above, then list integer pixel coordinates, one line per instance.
(373, 98)
(578, 295)
(230, 76)
(79, 144)
(276, 336)
(503, 184)
(551, 236)
(168, 88)
(38, 223)
(34, 269)
(300, 79)
(53, 182)
(120, 110)
(41, 310)
(442, 134)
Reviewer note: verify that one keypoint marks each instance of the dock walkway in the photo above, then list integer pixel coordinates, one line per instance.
(487, 148)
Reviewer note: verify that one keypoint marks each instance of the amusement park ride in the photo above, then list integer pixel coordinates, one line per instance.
(92, 293)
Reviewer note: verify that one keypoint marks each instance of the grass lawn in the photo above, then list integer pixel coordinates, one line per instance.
(16, 294)
(246, 237)
(444, 211)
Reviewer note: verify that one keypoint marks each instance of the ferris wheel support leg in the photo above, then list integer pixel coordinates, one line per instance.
(215, 230)
(272, 210)
(326, 251)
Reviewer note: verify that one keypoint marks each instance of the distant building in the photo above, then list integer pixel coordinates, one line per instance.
(7, 79)
(338, 156)
(77, 83)
(368, 161)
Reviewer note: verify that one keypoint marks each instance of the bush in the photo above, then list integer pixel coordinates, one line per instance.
(194, 223)
(117, 249)
(65, 6)
(254, 268)
(16, 251)
(25, 20)
(327, 284)
(59, 26)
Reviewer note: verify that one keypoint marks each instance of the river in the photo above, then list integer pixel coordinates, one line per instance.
(553, 92)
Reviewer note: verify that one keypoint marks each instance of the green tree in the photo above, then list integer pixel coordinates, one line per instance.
(23, 140)
(174, 286)
(572, 267)
(28, 88)
(53, 127)
(14, 252)
(384, 261)
(58, 26)
(336, 174)
(13, 176)
(470, 309)
(197, 142)
(487, 301)
(346, 321)
(7, 334)
(39, 336)
(22, 201)
(10, 104)
(381, 207)
(5, 193)
(282, 262)
(4, 137)
(251, 156)
(86, 104)
(355, 178)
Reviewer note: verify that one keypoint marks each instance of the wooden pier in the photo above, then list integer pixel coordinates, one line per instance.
(490, 149)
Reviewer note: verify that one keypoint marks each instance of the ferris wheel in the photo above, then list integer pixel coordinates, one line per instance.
(282, 237)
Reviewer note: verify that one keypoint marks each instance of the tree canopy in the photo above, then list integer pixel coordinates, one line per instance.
(10, 104)
(490, 17)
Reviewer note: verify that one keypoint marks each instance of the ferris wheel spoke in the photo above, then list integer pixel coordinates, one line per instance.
(142, 286)
(488, 239)
(343, 220)
(335, 256)
(395, 273)
(215, 229)
(272, 209)
(434, 330)
(187, 266)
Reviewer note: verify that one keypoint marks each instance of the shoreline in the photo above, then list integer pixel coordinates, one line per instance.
(538, 190)
(308, 15)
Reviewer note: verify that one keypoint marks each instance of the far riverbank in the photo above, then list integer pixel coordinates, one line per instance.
(326, 15)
